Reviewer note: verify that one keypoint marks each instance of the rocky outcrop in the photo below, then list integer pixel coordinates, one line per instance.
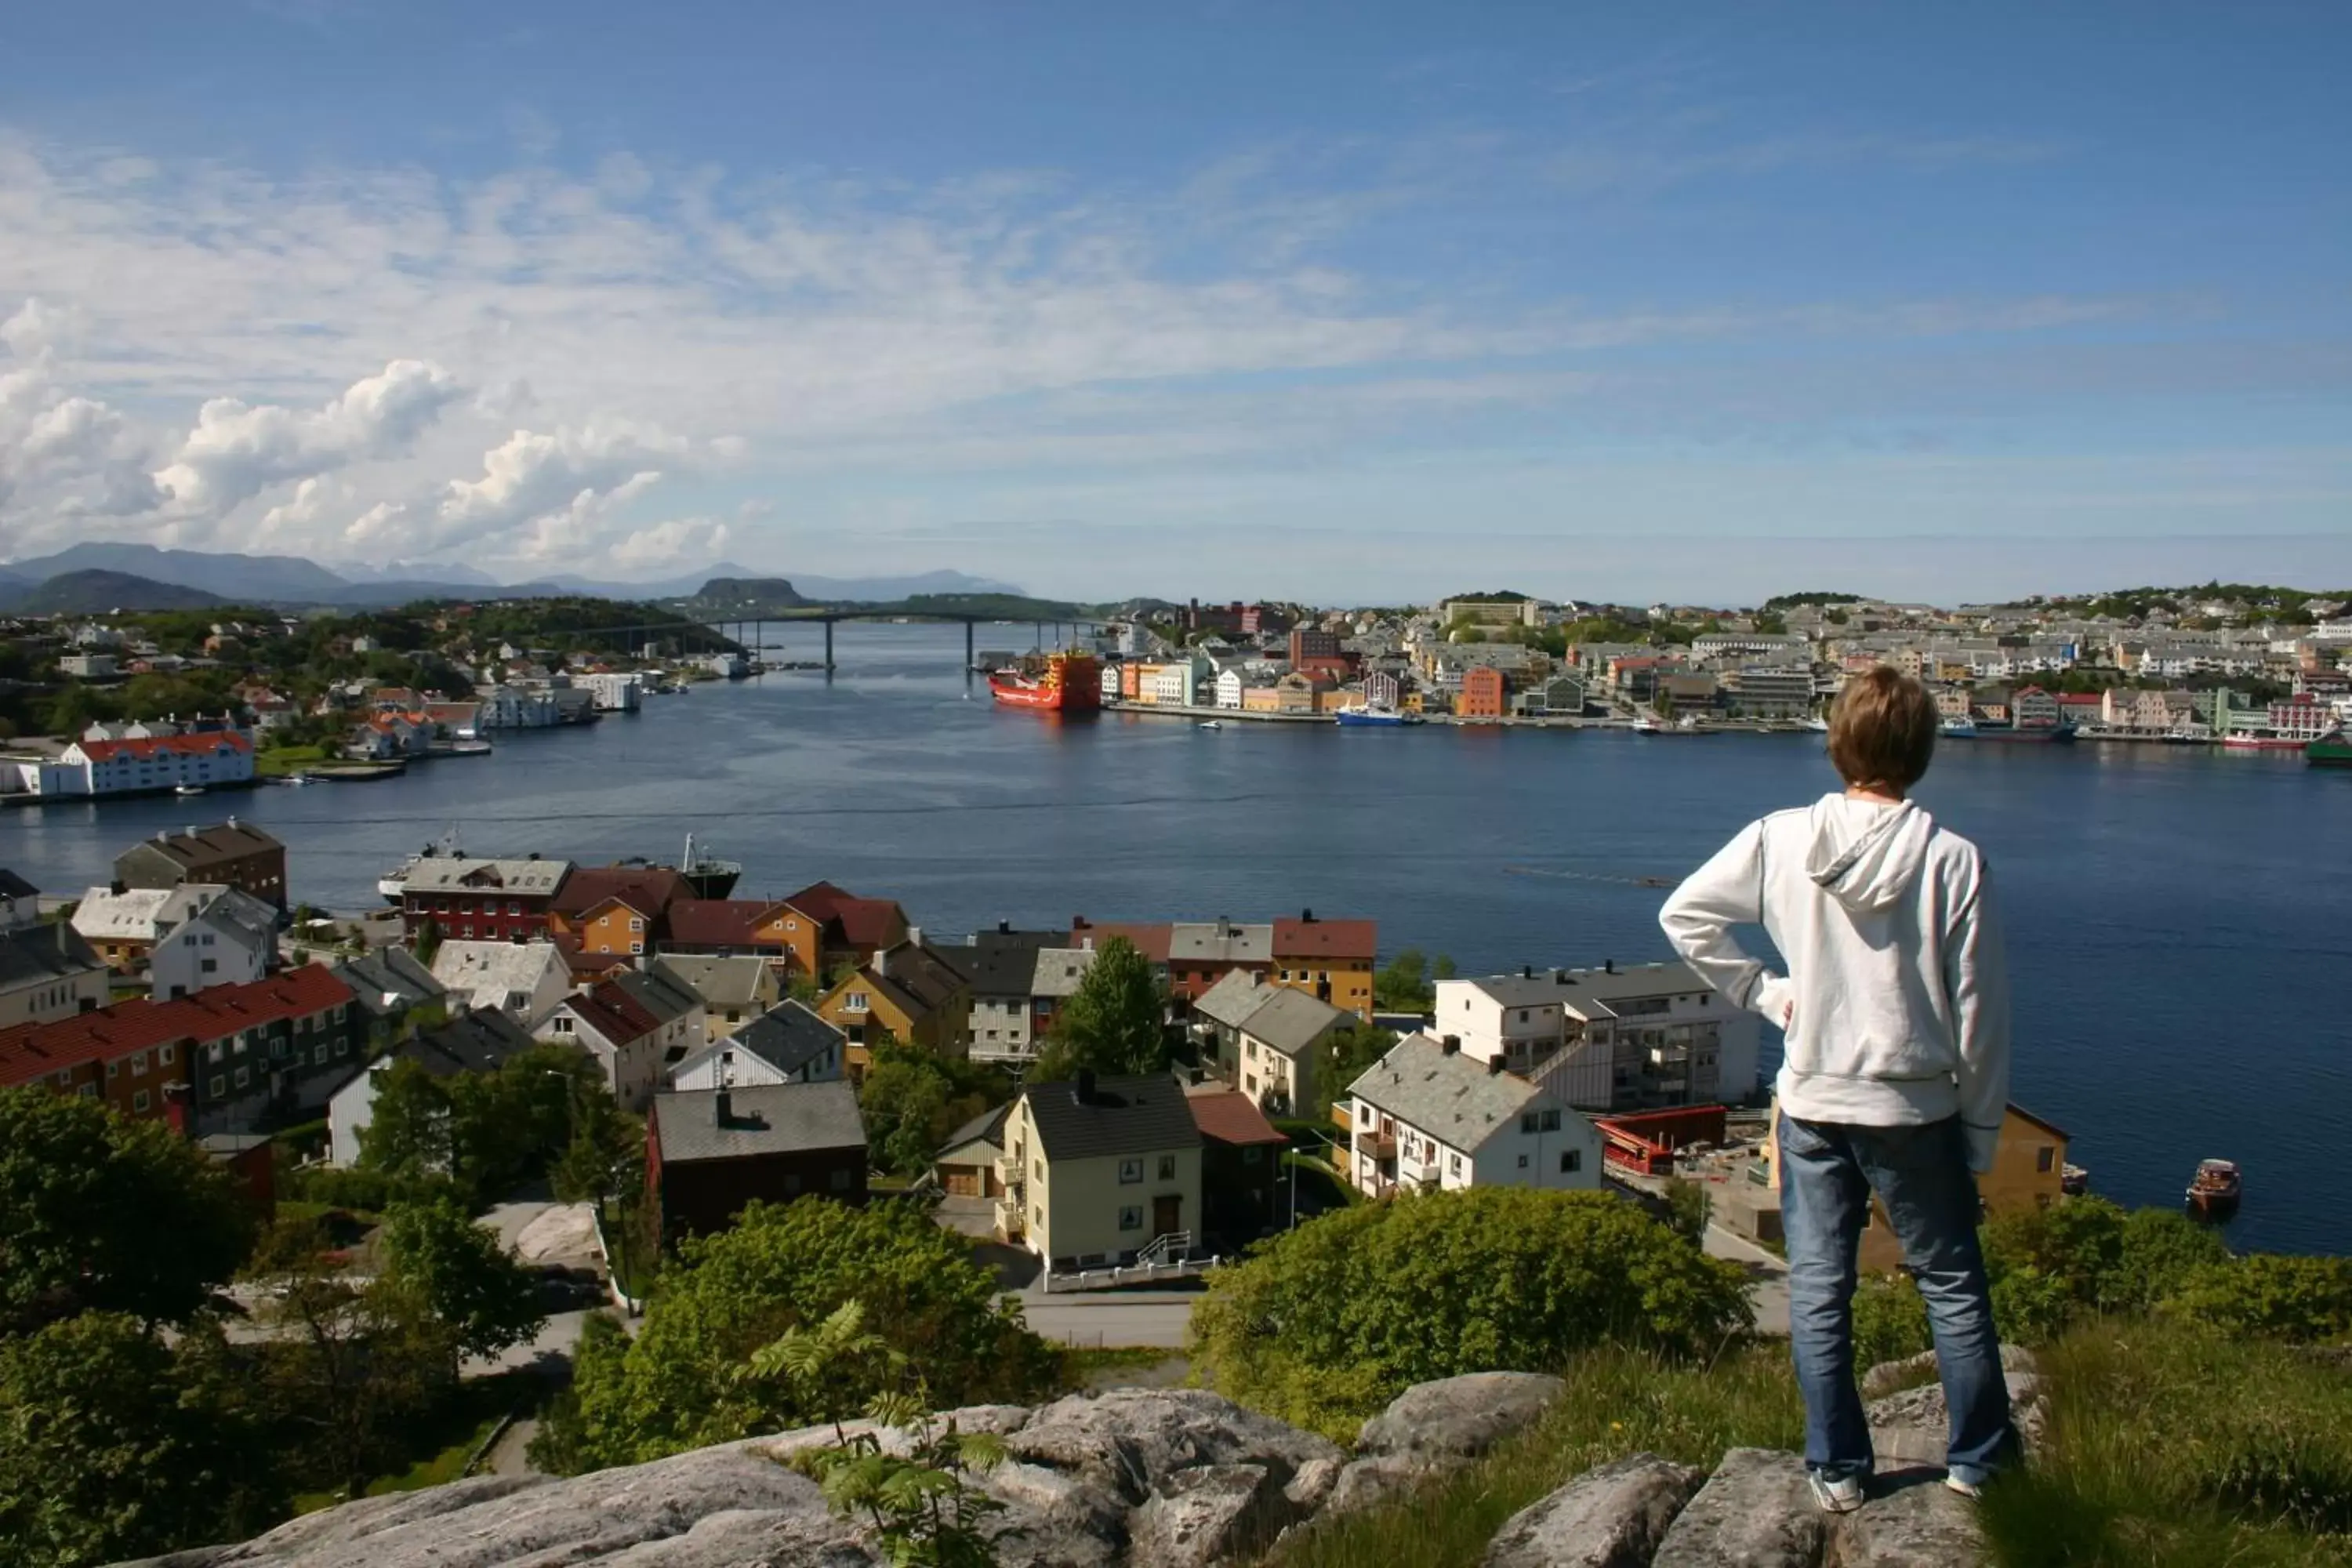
(1163, 1479)
(1613, 1515)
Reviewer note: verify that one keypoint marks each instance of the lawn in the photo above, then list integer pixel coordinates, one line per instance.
(2164, 1445)
(442, 1443)
(282, 760)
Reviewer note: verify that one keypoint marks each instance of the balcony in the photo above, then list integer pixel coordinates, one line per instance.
(1379, 1146)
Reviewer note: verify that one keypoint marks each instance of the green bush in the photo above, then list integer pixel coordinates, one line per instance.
(372, 1190)
(2299, 1299)
(1327, 1322)
(1890, 1320)
(678, 1385)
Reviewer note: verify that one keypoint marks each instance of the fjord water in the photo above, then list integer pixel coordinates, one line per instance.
(2179, 921)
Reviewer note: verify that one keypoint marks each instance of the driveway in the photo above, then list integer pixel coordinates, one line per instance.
(1768, 1276)
(1093, 1318)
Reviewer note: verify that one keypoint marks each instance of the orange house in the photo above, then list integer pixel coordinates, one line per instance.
(905, 993)
(1331, 961)
(1482, 693)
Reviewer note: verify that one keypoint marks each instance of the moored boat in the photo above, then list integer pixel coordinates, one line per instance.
(2073, 1181)
(393, 883)
(1372, 719)
(2333, 750)
(2216, 1187)
(709, 877)
(1069, 683)
(2058, 734)
(189, 789)
(2255, 741)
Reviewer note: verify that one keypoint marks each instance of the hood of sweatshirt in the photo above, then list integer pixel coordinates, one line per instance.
(1865, 853)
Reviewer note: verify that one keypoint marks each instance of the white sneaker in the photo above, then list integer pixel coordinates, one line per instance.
(1969, 1489)
(1839, 1494)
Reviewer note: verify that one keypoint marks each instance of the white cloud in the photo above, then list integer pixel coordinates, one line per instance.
(239, 450)
(680, 542)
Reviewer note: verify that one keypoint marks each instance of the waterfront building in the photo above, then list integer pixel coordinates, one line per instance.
(182, 939)
(1482, 694)
(232, 854)
(496, 900)
(1765, 691)
(1426, 1117)
(139, 766)
(1229, 689)
(1637, 1037)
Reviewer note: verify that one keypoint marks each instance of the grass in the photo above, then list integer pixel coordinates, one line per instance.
(1103, 1366)
(444, 1442)
(1618, 1402)
(282, 760)
(2165, 1446)
(2171, 1447)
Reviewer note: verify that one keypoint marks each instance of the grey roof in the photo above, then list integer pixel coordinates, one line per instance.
(1059, 971)
(1237, 994)
(1221, 941)
(987, 1127)
(719, 982)
(1003, 962)
(787, 1037)
(537, 878)
(479, 1041)
(388, 979)
(767, 1118)
(1452, 1098)
(1590, 992)
(11, 886)
(490, 972)
(32, 953)
(1291, 1021)
(1133, 1115)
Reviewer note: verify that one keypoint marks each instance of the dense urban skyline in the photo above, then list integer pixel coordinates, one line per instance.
(1929, 308)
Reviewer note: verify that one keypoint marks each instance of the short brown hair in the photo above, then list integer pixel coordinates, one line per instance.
(1882, 728)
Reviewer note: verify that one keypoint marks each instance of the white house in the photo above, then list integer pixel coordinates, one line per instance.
(471, 1042)
(1229, 689)
(787, 1044)
(524, 980)
(157, 762)
(1639, 1037)
(614, 692)
(1427, 1117)
(637, 1025)
(187, 938)
(1171, 684)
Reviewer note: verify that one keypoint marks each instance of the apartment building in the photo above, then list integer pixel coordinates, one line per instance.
(1427, 1117)
(1636, 1037)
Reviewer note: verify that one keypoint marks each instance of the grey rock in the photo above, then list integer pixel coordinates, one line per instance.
(1458, 1418)
(733, 1493)
(1756, 1511)
(1613, 1515)
(1210, 1513)
(1911, 1520)
(1913, 1428)
(1363, 1482)
(1053, 1519)
(1313, 1485)
(1129, 1440)
(1894, 1376)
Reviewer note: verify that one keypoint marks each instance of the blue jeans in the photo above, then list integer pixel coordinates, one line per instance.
(1828, 1170)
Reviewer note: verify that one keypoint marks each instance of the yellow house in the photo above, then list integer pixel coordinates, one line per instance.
(1099, 1170)
(1261, 699)
(908, 993)
(2029, 1169)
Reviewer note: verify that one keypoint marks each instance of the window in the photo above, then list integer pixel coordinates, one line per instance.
(637, 947)
(1522, 1162)
(209, 965)
(1252, 1154)
(139, 1101)
(216, 1088)
(1570, 1162)
(244, 1077)
(111, 1069)
(791, 1181)
(1454, 1163)
(1167, 1167)
(2043, 1158)
(636, 923)
(841, 1181)
(853, 1003)
(1131, 1171)
(1130, 1218)
(139, 1064)
(562, 1023)
(1527, 1122)
(1551, 1121)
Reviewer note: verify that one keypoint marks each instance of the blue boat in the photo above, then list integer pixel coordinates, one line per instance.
(1373, 719)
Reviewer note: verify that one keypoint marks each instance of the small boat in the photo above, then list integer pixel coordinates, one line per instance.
(2333, 750)
(189, 789)
(2259, 741)
(1648, 726)
(1372, 719)
(293, 780)
(2073, 1181)
(394, 883)
(1210, 724)
(469, 748)
(2216, 1188)
(1818, 725)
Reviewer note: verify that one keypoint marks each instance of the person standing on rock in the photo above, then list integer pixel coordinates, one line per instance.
(1895, 1075)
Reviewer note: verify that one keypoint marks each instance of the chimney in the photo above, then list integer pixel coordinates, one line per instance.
(1451, 1045)
(1493, 1067)
(1527, 972)
(914, 936)
(1608, 966)
(1307, 917)
(881, 961)
(1084, 1094)
(1005, 928)
(232, 822)
(723, 1109)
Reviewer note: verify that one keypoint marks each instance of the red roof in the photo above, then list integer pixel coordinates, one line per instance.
(1151, 940)
(717, 923)
(1326, 939)
(649, 890)
(1232, 1117)
(31, 1051)
(820, 901)
(613, 1012)
(191, 745)
(869, 922)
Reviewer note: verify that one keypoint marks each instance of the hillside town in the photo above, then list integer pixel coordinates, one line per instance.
(133, 704)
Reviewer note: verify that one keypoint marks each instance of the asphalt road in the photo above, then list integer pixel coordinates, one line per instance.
(1091, 1319)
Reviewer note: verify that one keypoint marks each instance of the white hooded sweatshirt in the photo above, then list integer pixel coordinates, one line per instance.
(1896, 1000)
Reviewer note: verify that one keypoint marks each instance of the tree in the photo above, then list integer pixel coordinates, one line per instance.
(1401, 984)
(1115, 1022)
(479, 1292)
(2270, 1295)
(1329, 1322)
(911, 1099)
(349, 1364)
(101, 1213)
(605, 1156)
(410, 1132)
(1688, 1205)
(114, 1445)
(1346, 1053)
(676, 1386)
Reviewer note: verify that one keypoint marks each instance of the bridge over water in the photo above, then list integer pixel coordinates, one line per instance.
(751, 632)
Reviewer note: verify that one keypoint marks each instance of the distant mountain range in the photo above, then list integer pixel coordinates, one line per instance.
(94, 593)
(294, 580)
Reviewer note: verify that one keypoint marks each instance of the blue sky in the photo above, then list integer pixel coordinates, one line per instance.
(1339, 302)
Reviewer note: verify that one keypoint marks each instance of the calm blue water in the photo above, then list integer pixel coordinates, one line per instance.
(2180, 923)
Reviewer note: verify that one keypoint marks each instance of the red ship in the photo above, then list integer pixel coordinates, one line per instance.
(1069, 683)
